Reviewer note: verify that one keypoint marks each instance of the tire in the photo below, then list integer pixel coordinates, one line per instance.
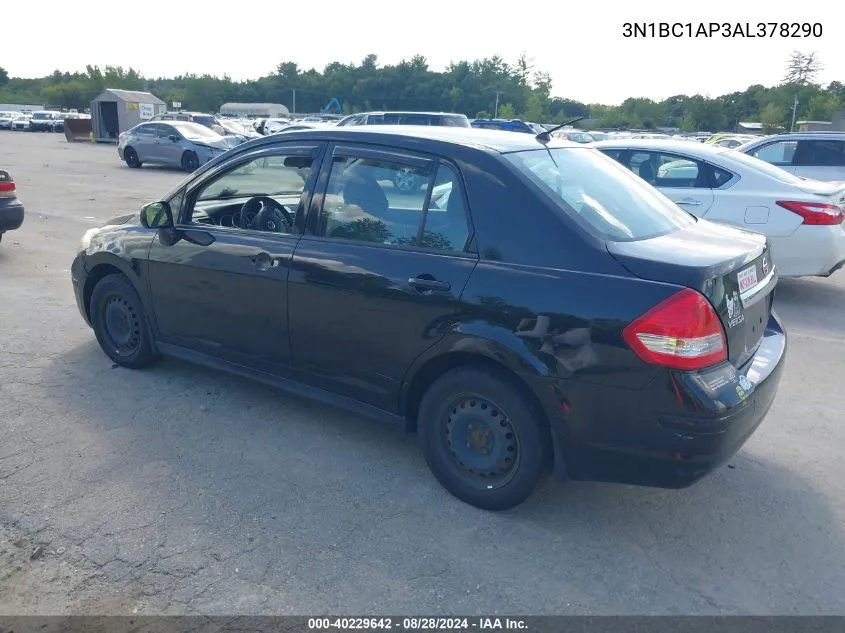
(190, 162)
(120, 324)
(131, 158)
(476, 405)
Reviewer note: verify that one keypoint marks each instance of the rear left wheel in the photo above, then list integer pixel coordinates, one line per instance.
(482, 440)
(119, 322)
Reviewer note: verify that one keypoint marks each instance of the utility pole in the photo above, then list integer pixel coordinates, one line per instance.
(496, 112)
(794, 110)
(294, 100)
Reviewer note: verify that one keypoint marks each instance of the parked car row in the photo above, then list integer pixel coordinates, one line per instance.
(40, 121)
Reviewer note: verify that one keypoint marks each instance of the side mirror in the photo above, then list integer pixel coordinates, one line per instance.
(174, 138)
(156, 215)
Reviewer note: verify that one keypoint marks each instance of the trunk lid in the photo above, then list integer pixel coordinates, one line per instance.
(833, 191)
(731, 267)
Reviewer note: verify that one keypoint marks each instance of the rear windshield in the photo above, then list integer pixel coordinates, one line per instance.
(759, 164)
(614, 201)
(42, 115)
(454, 121)
(206, 120)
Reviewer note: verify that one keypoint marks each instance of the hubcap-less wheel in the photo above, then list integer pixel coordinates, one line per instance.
(482, 442)
(405, 180)
(190, 162)
(132, 158)
(122, 326)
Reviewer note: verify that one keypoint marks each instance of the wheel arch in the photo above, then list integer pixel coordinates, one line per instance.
(100, 267)
(510, 362)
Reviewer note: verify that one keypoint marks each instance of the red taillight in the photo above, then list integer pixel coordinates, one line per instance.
(814, 213)
(681, 332)
(7, 188)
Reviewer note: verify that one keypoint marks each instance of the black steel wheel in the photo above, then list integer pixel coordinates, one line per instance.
(131, 158)
(119, 322)
(190, 162)
(482, 440)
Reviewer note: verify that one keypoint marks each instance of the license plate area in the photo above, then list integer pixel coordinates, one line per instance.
(747, 279)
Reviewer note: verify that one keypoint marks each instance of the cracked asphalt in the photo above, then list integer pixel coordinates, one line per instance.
(184, 491)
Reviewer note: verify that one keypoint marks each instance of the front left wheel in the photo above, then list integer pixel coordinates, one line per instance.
(482, 439)
(190, 162)
(119, 322)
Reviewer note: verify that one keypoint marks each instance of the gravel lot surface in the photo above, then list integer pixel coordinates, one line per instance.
(182, 490)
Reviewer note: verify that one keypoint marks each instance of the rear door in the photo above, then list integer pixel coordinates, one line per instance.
(685, 180)
(378, 273)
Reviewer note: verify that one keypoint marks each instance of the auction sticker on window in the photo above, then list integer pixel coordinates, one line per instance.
(747, 278)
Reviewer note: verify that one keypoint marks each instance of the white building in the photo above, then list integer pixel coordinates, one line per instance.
(265, 110)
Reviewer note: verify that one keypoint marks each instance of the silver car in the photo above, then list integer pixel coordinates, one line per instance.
(175, 143)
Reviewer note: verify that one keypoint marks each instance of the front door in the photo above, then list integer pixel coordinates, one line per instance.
(379, 273)
(221, 287)
(168, 148)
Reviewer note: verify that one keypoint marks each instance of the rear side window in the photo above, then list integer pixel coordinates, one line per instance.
(606, 196)
(383, 202)
(820, 153)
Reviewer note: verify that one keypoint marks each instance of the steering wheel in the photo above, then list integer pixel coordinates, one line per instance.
(262, 213)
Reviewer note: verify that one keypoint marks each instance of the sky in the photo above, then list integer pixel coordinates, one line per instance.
(581, 45)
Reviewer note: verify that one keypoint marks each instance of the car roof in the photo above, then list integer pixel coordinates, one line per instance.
(408, 112)
(801, 136)
(410, 135)
(701, 150)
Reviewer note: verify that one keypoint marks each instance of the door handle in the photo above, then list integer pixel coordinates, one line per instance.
(263, 261)
(691, 202)
(427, 282)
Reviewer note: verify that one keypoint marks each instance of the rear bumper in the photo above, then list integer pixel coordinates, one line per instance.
(811, 251)
(675, 431)
(11, 214)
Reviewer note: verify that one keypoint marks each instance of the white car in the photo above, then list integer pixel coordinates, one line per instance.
(21, 123)
(817, 155)
(802, 218)
(6, 118)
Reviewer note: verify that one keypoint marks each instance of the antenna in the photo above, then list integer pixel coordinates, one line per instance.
(545, 137)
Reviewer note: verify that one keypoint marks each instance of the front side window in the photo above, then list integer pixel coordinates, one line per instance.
(145, 131)
(384, 202)
(615, 203)
(779, 153)
(262, 194)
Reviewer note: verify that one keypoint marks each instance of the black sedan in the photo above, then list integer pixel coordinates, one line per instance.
(545, 311)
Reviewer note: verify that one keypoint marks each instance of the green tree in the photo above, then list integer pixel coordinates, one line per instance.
(4, 76)
(506, 111)
(773, 118)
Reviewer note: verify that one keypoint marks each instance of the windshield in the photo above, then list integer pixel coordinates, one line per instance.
(454, 121)
(195, 131)
(615, 202)
(42, 115)
(203, 119)
(759, 164)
